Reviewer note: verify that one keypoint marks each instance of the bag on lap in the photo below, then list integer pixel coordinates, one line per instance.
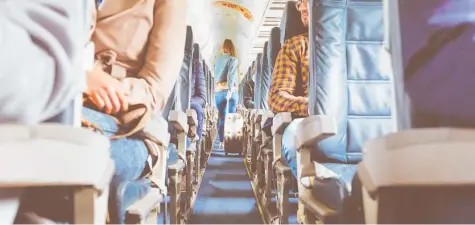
(130, 124)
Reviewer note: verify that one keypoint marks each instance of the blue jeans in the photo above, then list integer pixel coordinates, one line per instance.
(221, 104)
(289, 146)
(130, 156)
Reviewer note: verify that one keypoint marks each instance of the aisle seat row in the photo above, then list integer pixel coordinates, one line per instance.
(187, 160)
(45, 144)
(352, 107)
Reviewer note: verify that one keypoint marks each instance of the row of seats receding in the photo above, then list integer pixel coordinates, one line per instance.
(319, 159)
(187, 160)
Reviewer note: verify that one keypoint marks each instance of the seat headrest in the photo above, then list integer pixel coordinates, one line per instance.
(264, 53)
(273, 47)
(258, 63)
(257, 82)
(205, 66)
(249, 73)
(197, 55)
(291, 23)
(196, 49)
(189, 39)
(437, 44)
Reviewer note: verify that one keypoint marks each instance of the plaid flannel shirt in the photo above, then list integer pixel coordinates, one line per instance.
(284, 95)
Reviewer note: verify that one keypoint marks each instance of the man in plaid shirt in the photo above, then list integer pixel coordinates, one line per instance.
(288, 90)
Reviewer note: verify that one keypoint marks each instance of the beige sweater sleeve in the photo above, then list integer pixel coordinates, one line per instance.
(165, 50)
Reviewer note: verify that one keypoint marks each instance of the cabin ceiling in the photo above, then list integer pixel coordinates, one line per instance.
(212, 24)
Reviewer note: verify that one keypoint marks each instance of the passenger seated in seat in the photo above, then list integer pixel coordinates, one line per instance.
(249, 89)
(288, 91)
(39, 78)
(198, 92)
(226, 75)
(137, 63)
(289, 87)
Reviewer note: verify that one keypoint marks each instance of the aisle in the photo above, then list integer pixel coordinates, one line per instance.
(226, 195)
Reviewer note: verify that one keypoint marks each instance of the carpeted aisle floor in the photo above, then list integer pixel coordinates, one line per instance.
(226, 195)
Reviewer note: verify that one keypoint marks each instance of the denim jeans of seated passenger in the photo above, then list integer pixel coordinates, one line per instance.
(130, 156)
(267, 128)
(224, 109)
(289, 146)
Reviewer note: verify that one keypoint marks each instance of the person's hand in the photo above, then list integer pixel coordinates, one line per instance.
(106, 92)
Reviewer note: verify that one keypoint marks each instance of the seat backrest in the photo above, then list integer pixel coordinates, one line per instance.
(432, 46)
(198, 69)
(179, 98)
(257, 82)
(205, 70)
(265, 79)
(186, 73)
(346, 39)
(290, 24)
(273, 48)
(249, 74)
(208, 85)
(212, 85)
(241, 87)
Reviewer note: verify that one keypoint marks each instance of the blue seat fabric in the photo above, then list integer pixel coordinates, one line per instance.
(345, 82)
(257, 82)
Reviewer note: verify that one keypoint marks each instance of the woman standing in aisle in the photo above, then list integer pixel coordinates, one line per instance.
(226, 74)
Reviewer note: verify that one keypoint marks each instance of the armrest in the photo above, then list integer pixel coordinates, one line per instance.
(179, 120)
(267, 115)
(192, 117)
(157, 129)
(399, 157)
(178, 166)
(252, 114)
(313, 129)
(280, 122)
(258, 116)
(75, 156)
(140, 209)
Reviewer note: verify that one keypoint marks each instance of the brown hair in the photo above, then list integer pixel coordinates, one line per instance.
(228, 46)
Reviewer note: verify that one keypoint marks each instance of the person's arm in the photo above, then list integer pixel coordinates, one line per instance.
(281, 98)
(164, 52)
(248, 95)
(200, 84)
(41, 57)
(232, 73)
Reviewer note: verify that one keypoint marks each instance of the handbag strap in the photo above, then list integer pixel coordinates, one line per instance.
(130, 122)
